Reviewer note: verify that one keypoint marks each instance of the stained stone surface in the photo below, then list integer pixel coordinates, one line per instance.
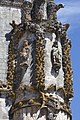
(7, 14)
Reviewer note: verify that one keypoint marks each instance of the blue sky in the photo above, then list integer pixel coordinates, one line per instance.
(71, 14)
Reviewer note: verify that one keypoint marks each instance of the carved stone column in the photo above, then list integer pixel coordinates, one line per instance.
(39, 69)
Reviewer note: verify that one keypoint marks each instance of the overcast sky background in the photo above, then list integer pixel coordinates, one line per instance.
(71, 14)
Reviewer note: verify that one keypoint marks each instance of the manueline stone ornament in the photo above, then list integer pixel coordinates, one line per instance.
(39, 67)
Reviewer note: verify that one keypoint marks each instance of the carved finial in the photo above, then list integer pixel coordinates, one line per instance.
(66, 26)
(59, 6)
(13, 24)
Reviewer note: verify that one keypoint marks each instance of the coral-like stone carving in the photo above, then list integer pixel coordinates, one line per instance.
(16, 34)
(66, 46)
(39, 67)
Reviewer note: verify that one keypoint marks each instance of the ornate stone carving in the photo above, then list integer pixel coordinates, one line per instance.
(52, 8)
(26, 11)
(13, 24)
(37, 13)
(41, 103)
(63, 30)
(24, 54)
(66, 45)
(55, 59)
(39, 67)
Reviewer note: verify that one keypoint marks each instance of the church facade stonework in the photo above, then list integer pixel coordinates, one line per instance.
(37, 76)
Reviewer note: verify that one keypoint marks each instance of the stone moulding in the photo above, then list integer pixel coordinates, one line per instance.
(42, 98)
(23, 104)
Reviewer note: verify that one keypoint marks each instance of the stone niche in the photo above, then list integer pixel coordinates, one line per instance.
(53, 76)
(27, 75)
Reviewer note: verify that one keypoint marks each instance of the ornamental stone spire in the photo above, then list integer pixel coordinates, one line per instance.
(39, 70)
